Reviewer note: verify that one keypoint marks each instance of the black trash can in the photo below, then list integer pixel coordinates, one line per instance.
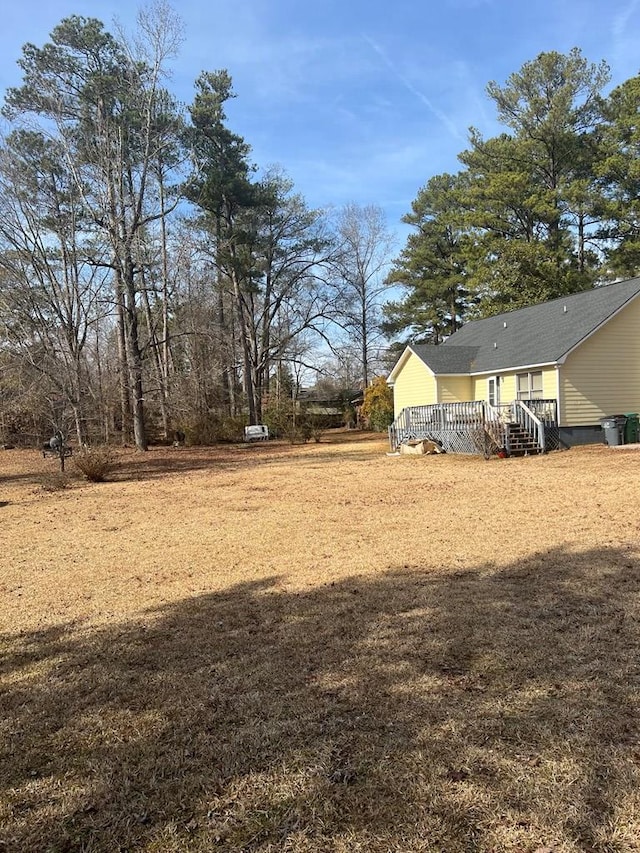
(632, 428)
(613, 427)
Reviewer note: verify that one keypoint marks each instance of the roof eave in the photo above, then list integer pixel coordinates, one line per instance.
(490, 371)
(391, 378)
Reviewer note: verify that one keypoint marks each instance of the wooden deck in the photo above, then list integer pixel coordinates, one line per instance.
(476, 427)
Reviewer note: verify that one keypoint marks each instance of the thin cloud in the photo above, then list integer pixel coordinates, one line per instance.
(442, 117)
(621, 20)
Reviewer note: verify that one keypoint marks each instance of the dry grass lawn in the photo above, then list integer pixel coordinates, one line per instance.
(321, 648)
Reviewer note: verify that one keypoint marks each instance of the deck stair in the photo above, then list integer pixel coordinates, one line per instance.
(520, 442)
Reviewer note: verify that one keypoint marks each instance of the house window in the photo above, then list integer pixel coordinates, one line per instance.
(494, 390)
(529, 386)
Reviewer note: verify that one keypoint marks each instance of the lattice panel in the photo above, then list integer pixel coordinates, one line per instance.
(552, 437)
(453, 441)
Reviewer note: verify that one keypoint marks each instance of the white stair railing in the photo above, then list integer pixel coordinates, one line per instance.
(523, 415)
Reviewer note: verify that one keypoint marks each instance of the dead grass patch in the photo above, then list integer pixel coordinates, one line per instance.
(322, 648)
(55, 481)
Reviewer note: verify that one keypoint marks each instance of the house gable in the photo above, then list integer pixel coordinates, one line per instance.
(414, 384)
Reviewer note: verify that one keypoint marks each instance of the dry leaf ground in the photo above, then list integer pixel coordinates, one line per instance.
(321, 648)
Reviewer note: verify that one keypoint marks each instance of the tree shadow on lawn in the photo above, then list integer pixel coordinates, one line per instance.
(33, 476)
(477, 710)
(130, 465)
(159, 462)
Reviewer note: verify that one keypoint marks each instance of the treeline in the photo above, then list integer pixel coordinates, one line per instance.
(151, 278)
(550, 206)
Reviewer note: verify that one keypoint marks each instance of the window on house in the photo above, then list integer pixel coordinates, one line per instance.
(494, 390)
(536, 385)
(529, 386)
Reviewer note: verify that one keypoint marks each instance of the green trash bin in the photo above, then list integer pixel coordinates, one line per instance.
(632, 428)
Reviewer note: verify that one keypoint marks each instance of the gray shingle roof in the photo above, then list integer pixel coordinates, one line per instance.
(446, 360)
(537, 334)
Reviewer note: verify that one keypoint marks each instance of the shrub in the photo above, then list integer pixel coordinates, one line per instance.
(286, 420)
(213, 429)
(377, 408)
(484, 443)
(278, 415)
(350, 416)
(231, 428)
(94, 462)
(316, 427)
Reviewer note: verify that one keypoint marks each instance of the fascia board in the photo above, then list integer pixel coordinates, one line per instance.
(501, 370)
(391, 378)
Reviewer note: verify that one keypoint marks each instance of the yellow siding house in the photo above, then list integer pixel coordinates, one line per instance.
(580, 351)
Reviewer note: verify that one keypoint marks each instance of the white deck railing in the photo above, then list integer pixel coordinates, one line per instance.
(444, 419)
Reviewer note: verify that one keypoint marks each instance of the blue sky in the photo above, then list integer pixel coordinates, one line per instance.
(359, 101)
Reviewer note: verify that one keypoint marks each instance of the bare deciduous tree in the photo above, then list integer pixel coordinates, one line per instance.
(365, 246)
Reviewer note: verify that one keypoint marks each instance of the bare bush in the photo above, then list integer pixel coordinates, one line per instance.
(94, 462)
(484, 442)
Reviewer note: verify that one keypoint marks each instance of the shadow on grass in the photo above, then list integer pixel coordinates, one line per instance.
(481, 710)
(162, 461)
(158, 463)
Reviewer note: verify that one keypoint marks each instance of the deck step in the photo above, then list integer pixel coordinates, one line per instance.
(521, 442)
(525, 447)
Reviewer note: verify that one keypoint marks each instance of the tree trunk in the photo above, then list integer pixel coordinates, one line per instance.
(166, 348)
(581, 243)
(81, 432)
(248, 375)
(157, 361)
(126, 413)
(134, 356)
(103, 406)
(224, 354)
(365, 344)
